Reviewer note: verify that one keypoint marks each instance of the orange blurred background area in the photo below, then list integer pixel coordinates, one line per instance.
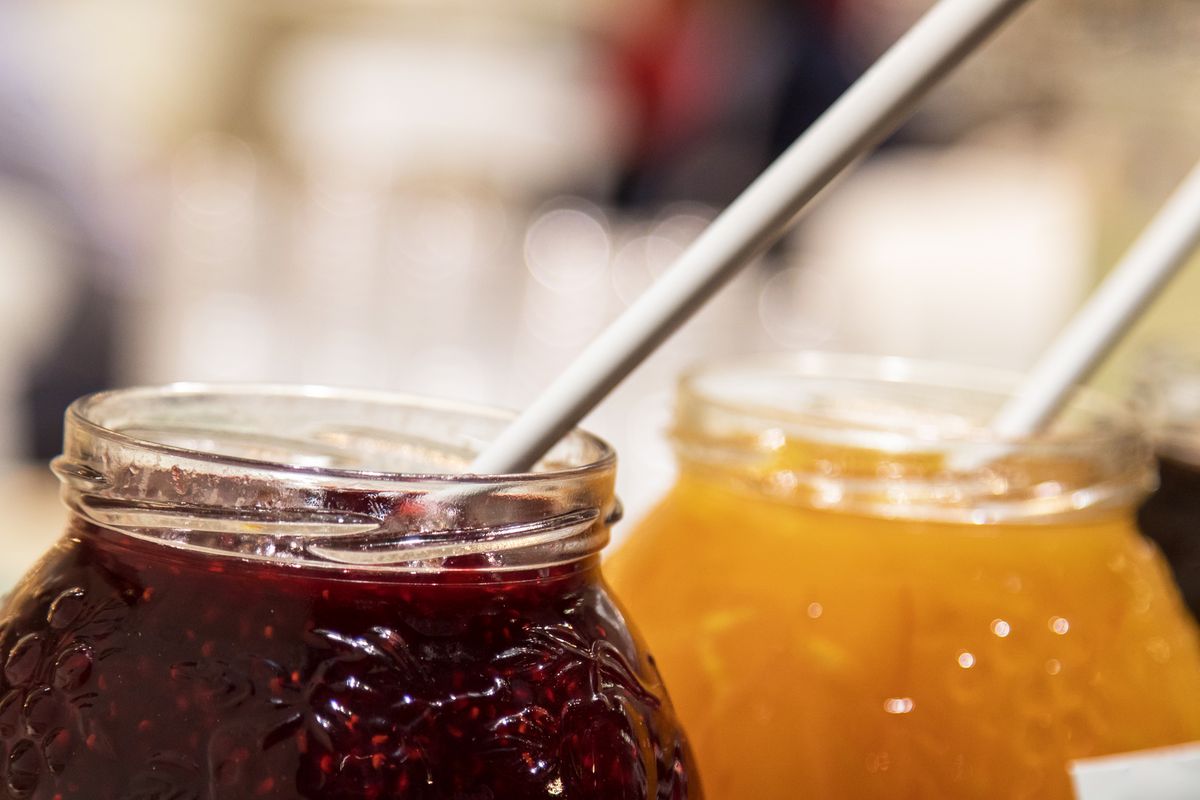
(452, 198)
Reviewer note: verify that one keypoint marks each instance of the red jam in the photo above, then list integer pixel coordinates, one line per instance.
(136, 671)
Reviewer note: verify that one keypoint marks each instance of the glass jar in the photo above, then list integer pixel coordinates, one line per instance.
(1168, 396)
(854, 591)
(271, 592)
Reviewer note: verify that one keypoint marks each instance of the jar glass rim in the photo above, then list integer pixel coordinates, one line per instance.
(329, 477)
(900, 437)
(88, 412)
(699, 385)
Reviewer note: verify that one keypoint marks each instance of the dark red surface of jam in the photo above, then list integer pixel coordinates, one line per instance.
(133, 671)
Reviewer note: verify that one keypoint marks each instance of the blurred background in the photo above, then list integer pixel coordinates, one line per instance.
(452, 197)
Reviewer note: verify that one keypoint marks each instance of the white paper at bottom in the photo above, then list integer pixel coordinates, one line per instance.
(1166, 773)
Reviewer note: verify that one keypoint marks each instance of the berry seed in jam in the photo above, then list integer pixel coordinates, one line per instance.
(138, 671)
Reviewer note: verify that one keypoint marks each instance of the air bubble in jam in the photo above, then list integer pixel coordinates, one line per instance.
(136, 670)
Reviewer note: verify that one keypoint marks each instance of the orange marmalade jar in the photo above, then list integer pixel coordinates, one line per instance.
(855, 592)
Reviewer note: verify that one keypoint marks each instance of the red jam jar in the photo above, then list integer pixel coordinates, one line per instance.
(272, 592)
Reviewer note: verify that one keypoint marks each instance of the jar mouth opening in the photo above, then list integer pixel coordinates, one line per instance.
(315, 476)
(755, 389)
(895, 436)
(321, 431)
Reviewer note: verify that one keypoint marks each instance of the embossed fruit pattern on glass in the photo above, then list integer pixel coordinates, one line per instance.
(195, 664)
